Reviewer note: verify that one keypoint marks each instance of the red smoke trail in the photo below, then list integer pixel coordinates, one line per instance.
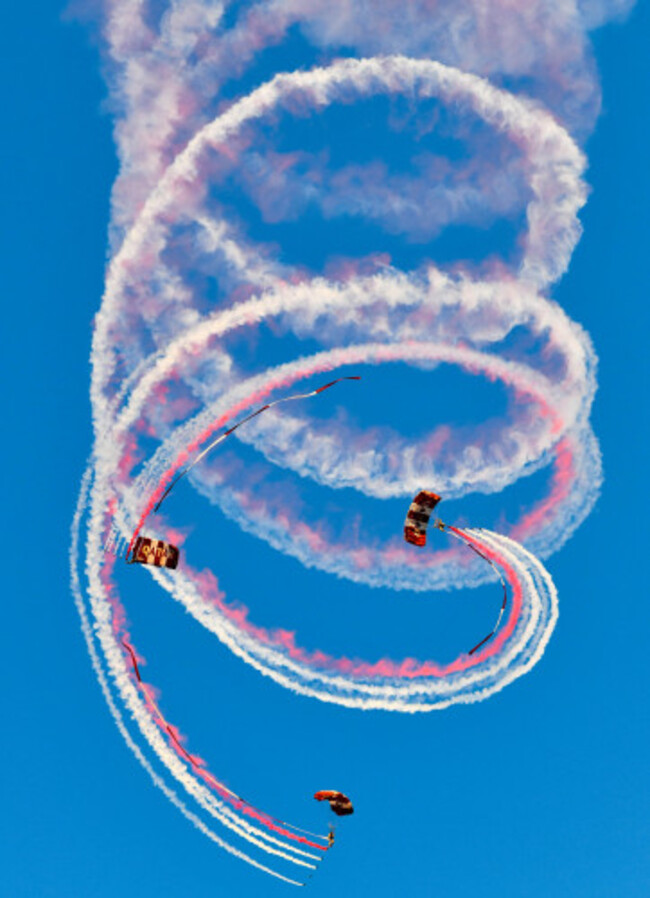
(563, 476)
(409, 668)
(241, 406)
(175, 739)
(544, 411)
(150, 695)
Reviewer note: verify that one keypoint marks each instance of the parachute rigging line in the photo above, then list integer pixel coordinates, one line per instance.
(459, 534)
(416, 526)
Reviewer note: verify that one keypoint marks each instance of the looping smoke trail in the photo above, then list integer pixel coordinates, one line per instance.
(190, 288)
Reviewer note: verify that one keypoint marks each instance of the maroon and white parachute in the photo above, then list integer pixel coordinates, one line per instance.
(145, 550)
(415, 532)
(417, 518)
(155, 552)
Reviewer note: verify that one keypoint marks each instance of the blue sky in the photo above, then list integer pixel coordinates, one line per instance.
(541, 790)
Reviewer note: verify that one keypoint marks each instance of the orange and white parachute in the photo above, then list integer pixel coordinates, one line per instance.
(339, 803)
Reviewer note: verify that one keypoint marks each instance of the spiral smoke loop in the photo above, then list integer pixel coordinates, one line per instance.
(189, 290)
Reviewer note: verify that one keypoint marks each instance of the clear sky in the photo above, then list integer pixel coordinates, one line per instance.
(542, 789)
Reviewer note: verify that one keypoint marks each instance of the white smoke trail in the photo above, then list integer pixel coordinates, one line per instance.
(165, 76)
(167, 372)
(387, 685)
(555, 162)
(107, 683)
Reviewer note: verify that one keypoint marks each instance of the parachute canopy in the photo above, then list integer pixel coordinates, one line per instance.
(154, 552)
(417, 518)
(339, 803)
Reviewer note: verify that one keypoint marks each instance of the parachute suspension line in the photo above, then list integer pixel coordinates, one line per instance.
(232, 429)
(460, 536)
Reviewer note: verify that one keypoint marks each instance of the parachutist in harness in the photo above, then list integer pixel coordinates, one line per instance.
(330, 837)
(415, 532)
